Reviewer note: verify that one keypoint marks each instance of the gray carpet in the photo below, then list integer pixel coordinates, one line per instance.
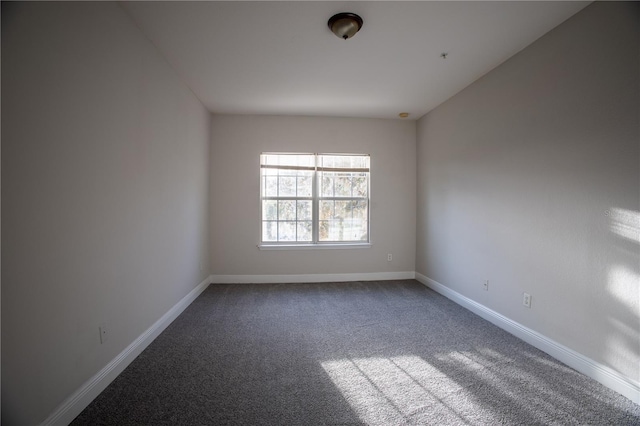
(379, 353)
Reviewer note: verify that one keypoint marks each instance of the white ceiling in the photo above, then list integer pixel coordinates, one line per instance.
(280, 58)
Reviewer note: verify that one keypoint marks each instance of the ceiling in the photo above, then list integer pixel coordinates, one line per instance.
(280, 58)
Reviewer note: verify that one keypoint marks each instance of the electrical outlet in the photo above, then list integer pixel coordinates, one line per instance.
(389, 257)
(526, 300)
(102, 329)
(485, 285)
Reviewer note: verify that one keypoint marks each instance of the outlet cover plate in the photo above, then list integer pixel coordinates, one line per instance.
(103, 333)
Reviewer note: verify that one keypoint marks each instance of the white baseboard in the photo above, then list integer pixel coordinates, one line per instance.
(311, 278)
(79, 400)
(599, 372)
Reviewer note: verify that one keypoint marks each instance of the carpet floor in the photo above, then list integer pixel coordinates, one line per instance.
(375, 353)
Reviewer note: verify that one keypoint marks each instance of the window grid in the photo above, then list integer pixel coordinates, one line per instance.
(346, 227)
(338, 212)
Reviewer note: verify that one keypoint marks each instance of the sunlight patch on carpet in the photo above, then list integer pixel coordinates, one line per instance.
(388, 390)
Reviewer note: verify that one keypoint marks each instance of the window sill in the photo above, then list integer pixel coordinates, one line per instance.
(314, 246)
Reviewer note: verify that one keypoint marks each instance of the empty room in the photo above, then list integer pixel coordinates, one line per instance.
(320, 213)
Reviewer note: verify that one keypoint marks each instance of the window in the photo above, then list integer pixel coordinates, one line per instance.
(314, 199)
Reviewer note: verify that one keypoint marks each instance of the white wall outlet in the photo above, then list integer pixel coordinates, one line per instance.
(526, 300)
(485, 285)
(389, 257)
(102, 329)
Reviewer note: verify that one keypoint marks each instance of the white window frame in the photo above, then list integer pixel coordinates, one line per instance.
(315, 216)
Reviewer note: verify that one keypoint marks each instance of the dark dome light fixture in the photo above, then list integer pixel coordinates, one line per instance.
(345, 25)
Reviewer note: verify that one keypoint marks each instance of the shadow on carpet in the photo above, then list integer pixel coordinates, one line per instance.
(376, 353)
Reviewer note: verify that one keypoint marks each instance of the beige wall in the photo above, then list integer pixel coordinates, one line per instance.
(530, 178)
(114, 177)
(105, 168)
(237, 142)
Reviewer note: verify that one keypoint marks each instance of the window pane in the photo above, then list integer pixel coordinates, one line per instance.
(286, 231)
(344, 161)
(326, 210)
(271, 186)
(326, 185)
(304, 210)
(360, 210)
(323, 230)
(269, 231)
(356, 230)
(301, 160)
(342, 185)
(342, 210)
(360, 185)
(343, 220)
(305, 184)
(304, 231)
(270, 172)
(343, 230)
(269, 210)
(287, 210)
(333, 230)
(287, 185)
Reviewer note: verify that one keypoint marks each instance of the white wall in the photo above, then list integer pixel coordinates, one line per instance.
(105, 180)
(530, 178)
(237, 142)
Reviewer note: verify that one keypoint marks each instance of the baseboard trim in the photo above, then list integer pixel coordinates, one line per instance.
(599, 372)
(311, 278)
(79, 400)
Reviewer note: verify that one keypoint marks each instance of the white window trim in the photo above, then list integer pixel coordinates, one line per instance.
(318, 245)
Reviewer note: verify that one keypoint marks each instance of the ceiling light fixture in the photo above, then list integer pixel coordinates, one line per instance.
(345, 25)
(403, 115)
